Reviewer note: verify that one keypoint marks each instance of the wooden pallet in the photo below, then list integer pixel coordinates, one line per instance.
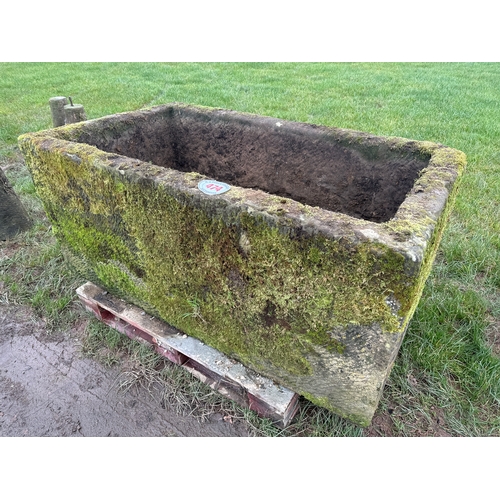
(228, 377)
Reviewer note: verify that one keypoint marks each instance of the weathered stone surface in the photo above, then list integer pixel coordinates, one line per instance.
(57, 110)
(74, 113)
(307, 270)
(13, 216)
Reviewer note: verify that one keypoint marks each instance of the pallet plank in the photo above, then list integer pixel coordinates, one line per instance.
(227, 376)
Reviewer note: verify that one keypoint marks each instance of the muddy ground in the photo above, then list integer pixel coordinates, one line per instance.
(48, 388)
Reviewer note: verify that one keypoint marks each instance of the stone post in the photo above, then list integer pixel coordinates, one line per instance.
(74, 113)
(57, 109)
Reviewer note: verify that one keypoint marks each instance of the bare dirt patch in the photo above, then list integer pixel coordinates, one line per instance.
(492, 335)
(386, 423)
(6, 252)
(382, 426)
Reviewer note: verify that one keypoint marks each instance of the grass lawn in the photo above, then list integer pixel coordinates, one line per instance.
(446, 380)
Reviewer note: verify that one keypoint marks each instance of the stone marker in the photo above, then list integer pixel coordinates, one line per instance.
(57, 109)
(74, 113)
(13, 216)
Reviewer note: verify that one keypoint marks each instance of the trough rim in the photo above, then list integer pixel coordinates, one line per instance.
(407, 232)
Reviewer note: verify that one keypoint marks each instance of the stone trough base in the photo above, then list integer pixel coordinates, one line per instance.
(228, 377)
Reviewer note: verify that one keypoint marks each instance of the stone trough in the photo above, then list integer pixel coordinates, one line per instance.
(299, 250)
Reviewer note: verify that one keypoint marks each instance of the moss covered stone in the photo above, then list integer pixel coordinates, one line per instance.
(315, 295)
(13, 216)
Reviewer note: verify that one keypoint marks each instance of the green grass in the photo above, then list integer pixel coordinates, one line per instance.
(447, 376)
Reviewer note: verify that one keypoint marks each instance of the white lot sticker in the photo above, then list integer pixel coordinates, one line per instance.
(213, 187)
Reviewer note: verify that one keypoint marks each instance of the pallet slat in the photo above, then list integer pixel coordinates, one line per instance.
(230, 378)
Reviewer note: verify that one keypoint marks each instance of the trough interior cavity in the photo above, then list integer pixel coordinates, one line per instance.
(306, 163)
